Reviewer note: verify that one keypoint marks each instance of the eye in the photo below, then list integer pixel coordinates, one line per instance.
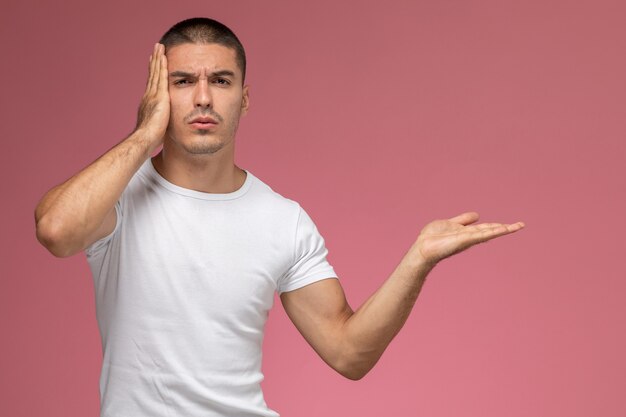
(222, 81)
(181, 82)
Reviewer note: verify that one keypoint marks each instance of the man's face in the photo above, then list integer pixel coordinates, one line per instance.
(204, 82)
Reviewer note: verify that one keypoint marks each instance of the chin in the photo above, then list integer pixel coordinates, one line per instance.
(201, 147)
(197, 144)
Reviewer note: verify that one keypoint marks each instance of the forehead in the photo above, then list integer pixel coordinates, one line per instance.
(198, 58)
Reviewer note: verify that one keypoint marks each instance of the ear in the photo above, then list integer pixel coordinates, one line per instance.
(245, 102)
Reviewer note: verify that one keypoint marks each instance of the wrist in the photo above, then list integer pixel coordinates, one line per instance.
(418, 261)
(146, 139)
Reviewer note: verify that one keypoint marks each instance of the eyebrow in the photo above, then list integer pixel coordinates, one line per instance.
(220, 73)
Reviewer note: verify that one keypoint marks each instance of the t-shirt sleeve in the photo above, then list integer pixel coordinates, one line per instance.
(99, 245)
(309, 260)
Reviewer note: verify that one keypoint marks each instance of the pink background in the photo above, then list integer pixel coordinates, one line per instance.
(378, 118)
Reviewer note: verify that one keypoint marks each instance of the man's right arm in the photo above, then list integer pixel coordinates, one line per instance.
(80, 211)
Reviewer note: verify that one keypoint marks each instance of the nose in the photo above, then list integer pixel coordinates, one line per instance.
(202, 94)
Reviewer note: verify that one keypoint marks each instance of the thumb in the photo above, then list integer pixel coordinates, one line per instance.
(465, 218)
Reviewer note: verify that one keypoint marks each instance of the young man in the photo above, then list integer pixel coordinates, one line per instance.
(187, 249)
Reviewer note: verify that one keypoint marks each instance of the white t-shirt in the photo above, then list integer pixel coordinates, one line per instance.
(183, 288)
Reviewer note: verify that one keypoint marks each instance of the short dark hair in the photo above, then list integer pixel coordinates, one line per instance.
(204, 30)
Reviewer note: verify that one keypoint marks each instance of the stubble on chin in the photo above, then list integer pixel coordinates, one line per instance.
(204, 147)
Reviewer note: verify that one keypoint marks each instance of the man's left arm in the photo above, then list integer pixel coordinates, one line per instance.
(352, 342)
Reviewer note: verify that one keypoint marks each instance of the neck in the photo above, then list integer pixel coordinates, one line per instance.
(209, 173)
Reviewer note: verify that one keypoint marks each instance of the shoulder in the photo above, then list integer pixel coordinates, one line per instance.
(277, 202)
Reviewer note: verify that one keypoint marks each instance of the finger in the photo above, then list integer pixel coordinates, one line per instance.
(489, 225)
(149, 71)
(163, 83)
(516, 226)
(482, 226)
(465, 218)
(488, 233)
(153, 68)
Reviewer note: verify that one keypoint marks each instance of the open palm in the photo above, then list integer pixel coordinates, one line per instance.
(440, 239)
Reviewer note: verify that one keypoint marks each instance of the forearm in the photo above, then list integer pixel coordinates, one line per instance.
(76, 208)
(368, 332)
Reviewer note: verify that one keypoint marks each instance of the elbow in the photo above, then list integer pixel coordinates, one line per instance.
(352, 368)
(354, 360)
(52, 236)
(354, 375)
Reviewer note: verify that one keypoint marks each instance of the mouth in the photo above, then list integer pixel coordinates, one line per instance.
(203, 119)
(203, 123)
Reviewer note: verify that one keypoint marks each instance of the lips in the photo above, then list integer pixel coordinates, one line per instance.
(203, 119)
